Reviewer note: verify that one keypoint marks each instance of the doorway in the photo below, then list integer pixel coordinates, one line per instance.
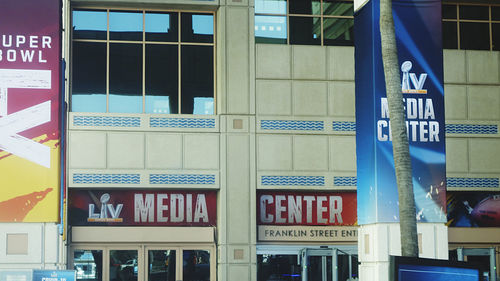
(143, 262)
(485, 257)
(296, 263)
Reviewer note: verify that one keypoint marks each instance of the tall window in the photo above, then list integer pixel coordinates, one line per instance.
(306, 22)
(471, 27)
(142, 62)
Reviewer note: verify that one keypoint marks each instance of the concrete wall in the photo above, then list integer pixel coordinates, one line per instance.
(31, 246)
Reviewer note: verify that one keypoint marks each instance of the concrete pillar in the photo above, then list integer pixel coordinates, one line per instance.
(376, 242)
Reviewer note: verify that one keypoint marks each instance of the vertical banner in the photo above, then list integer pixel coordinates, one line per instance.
(29, 110)
(418, 37)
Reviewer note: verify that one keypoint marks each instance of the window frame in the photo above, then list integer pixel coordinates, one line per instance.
(179, 43)
(458, 20)
(321, 16)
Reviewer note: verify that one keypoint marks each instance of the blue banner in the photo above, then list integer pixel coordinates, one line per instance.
(54, 275)
(418, 37)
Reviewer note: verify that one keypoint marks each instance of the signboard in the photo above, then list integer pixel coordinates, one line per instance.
(54, 275)
(308, 233)
(16, 275)
(142, 208)
(29, 110)
(302, 208)
(478, 209)
(418, 38)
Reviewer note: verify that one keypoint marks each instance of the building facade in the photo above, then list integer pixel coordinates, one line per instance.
(215, 140)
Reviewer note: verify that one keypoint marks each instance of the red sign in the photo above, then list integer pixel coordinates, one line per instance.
(145, 208)
(301, 208)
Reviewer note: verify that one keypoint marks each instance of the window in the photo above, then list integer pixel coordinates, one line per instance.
(471, 27)
(304, 22)
(142, 62)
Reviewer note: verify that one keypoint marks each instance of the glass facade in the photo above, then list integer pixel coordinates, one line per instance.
(304, 22)
(142, 62)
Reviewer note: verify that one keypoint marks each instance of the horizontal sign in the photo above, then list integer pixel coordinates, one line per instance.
(54, 275)
(145, 208)
(307, 233)
(301, 208)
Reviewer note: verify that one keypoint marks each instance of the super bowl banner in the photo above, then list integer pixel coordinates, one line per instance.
(144, 208)
(418, 36)
(29, 110)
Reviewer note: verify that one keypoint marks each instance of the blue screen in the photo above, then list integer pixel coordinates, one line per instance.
(409, 272)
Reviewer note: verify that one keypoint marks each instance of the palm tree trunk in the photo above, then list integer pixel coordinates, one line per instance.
(402, 160)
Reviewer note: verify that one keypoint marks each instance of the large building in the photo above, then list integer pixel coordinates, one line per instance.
(215, 140)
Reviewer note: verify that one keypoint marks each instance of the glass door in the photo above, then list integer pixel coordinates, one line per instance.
(328, 264)
(485, 257)
(143, 263)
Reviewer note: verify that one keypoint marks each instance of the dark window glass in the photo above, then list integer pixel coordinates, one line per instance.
(162, 79)
(305, 7)
(125, 78)
(89, 24)
(197, 28)
(161, 27)
(496, 36)
(161, 264)
(88, 265)
(338, 8)
(305, 30)
(197, 75)
(89, 77)
(449, 11)
(195, 265)
(279, 267)
(123, 265)
(125, 26)
(339, 32)
(450, 37)
(474, 36)
(270, 7)
(270, 29)
(495, 13)
(474, 12)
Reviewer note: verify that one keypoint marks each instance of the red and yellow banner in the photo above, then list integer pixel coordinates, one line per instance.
(29, 110)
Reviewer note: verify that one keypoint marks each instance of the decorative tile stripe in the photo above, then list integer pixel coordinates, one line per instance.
(107, 178)
(471, 129)
(344, 126)
(473, 182)
(181, 179)
(345, 181)
(293, 180)
(106, 121)
(159, 122)
(297, 125)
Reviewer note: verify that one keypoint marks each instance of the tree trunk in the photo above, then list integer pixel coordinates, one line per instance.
(402, 160)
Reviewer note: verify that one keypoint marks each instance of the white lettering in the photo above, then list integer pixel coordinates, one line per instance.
(320, 210)
(201, 210)
(336, 209)
(294, 209)
(176, 207)
(161, 208)
(144, 208)
(280, 209)
(264, 201)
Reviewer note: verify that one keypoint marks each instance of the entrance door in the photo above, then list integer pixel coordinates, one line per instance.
(143, 263)
(486, 257)
(312, 263)
(327, 264)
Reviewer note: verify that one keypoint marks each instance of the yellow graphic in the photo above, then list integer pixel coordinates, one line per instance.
(35, 185)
